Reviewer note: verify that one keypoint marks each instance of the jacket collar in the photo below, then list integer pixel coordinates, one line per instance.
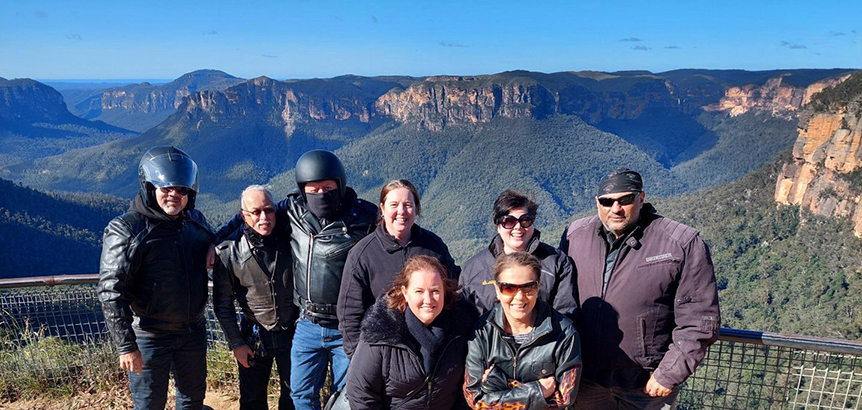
(543, 325)
(633, 238)
(246, 258)
(496, 246)
(388, 326)
(390, 244)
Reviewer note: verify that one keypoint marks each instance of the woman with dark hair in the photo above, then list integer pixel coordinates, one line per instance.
(413, 343)
(374, 262)
(514, 215)
(524, 354)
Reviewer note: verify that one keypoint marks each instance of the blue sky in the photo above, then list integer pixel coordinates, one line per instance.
(301, 39)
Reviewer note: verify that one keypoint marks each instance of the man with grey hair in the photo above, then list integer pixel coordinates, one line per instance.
(649, 305)
(254, 267)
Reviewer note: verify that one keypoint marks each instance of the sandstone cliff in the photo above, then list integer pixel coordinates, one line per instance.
(443, 100)
(280, 103)
(776, 97)
(825, 176)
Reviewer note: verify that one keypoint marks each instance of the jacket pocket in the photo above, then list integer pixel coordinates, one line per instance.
(338, 251)
(543, 369)
(654, 334)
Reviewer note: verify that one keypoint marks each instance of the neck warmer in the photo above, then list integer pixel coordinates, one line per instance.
(429, 337)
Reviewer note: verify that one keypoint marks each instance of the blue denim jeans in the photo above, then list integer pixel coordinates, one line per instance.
(314, 346)
(186, 356)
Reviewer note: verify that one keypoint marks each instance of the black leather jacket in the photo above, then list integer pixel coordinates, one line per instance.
(153, 276)
(553, 350)
(319, 251)
(265, 299)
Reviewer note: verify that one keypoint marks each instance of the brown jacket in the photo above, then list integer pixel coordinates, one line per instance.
(659, 312)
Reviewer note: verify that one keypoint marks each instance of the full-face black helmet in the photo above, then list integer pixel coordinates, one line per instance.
(165, 166)
(320, 165)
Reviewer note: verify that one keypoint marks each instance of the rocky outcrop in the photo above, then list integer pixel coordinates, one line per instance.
(825, 176)
(276, 102)
(775, 97)
(444, 100)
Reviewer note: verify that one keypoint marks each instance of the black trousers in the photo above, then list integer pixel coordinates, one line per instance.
(254, 381)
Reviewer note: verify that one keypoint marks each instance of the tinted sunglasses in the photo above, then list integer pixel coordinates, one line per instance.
(178, 189)
(510, 289)
(623, 200)
(509, 221)
(256, 213)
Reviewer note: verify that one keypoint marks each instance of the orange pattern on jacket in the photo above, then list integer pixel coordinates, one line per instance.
(481, 405)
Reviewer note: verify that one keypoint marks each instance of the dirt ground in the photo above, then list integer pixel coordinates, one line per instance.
(121, 399)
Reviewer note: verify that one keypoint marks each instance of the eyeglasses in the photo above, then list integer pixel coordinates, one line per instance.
(623, 200)
(509, 221)
(256, 213)
(511, 289)
(178, 189)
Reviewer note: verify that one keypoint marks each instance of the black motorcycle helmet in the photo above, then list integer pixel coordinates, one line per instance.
(320, 165)
(165, 166)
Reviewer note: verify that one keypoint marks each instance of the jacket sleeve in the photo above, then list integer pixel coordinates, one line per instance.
(229, 228)
(365, 384)
(566, 295)
(564, 241)
(223, 300)
(449, 262)
(696, 315)
(568, 374)
(115, 276)
(495, 396)
(354, 298)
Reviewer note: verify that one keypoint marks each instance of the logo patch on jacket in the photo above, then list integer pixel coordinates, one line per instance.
(657, 258)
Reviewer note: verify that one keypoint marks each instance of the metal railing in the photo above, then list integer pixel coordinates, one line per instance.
(52, 334)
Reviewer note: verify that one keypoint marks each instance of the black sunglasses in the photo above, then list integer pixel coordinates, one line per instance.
(509, 221)
(510, 289)
(623, 200)
(178, 189)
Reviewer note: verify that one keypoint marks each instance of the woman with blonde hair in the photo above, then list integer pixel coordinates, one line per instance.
(524, 354)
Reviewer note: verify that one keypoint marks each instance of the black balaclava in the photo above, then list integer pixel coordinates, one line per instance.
(326, 205)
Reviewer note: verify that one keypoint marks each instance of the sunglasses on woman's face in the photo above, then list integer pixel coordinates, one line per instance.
(510, 289)
(623, 200)
(509, 221)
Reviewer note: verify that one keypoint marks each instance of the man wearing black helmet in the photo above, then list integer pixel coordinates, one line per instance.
(326, 220)
(153, 283)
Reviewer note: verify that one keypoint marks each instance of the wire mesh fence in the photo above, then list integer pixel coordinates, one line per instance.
(55, 338)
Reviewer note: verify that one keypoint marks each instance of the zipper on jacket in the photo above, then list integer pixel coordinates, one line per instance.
(308, 268)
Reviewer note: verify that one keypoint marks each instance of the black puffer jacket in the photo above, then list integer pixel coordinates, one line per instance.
(554, 350)
(319, 251)
(153, 275)
(558, 276)
(387, 364)
(372, 266)
(265, 299)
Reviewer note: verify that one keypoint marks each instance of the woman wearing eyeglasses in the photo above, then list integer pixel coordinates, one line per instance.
(374, 262)
(524, 354)
(414, 342)
(514, 215)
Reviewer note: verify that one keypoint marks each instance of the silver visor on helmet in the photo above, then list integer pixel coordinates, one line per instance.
(170, 169)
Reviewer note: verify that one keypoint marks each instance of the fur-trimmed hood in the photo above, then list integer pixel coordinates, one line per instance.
(388, 326)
